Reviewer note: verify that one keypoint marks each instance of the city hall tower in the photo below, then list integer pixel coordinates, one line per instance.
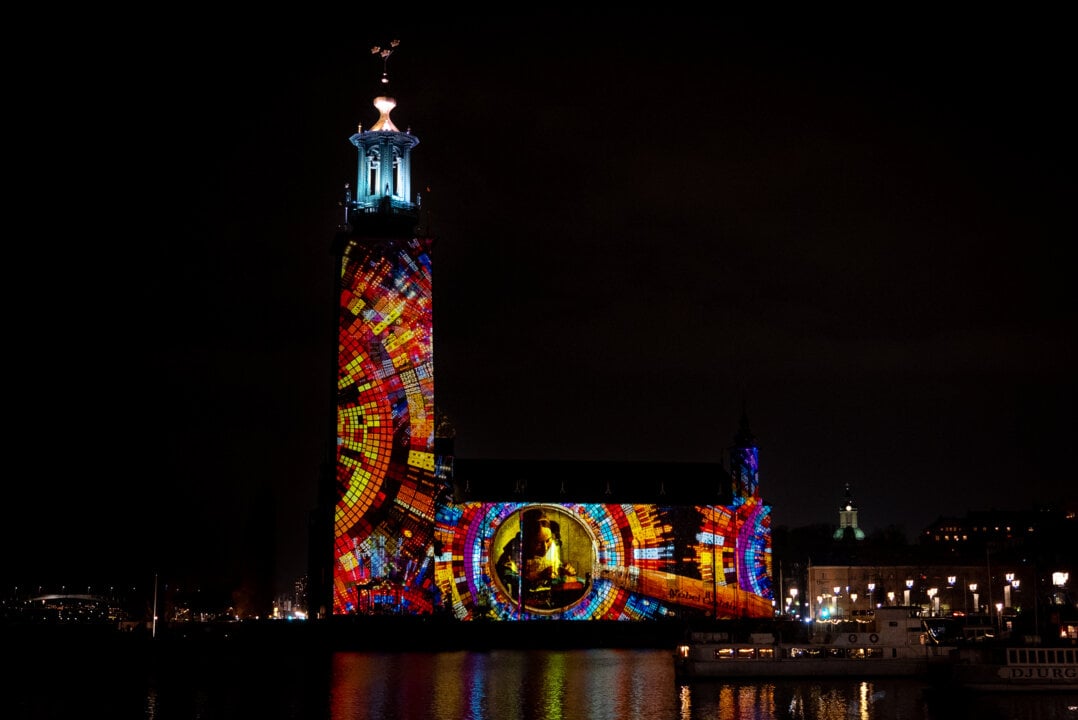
(406, 527)
(381, 488)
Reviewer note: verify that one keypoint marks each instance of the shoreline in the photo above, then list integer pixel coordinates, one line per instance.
(362, 633)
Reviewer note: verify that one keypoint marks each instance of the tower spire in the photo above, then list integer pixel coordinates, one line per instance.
(384, 102)
(744, 437)
(383, 188)
(744, 460)
(384, 53)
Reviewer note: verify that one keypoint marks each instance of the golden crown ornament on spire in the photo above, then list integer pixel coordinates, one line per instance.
(385, 53)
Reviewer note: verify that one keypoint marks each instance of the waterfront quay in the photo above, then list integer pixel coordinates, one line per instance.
(380, 633)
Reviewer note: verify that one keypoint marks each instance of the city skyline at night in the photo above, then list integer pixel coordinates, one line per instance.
(855, 231)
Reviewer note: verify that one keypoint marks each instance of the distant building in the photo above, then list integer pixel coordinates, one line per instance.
(847, 519)
(1000, 571)
(1042, 528)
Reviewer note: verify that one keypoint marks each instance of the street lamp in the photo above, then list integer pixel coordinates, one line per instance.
(853, 602)
(871, 589)
(906, 594)
(890, 597)
(976, 597)
(1009, 577)
(934, 600)
(999, 617)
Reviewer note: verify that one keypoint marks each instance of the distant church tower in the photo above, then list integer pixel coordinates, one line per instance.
(380, 488)
(847, 519)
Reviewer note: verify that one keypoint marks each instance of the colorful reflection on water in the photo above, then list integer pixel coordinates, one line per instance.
(633, 685)
(267, 682)
(558, 685)
(820, 700)
(877, 699)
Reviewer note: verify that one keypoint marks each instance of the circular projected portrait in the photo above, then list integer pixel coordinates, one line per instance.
(543, 558)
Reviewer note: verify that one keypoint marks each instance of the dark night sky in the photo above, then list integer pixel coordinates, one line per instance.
(859, 229)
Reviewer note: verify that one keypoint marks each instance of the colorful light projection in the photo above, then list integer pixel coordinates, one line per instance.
(387, 488)
(402, 546)
(746, 463)
(618, 562)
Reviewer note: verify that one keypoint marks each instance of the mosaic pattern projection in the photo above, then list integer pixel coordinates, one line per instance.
(402, 546)
(387, 488)
(604, 562)
(747, 467)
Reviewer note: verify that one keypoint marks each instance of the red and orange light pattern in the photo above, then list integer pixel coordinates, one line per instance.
(385, 465)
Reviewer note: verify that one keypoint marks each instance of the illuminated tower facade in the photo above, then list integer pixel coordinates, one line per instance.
(384, 474)
(415, 530)
(745, 462)
(753, 546)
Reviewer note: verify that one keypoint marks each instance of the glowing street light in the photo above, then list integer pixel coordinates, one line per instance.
(906, 594)
(871, 589)
(890, 597)
(976, 597)
(934, 600)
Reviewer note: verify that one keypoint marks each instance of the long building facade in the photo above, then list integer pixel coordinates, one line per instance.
(416, 530)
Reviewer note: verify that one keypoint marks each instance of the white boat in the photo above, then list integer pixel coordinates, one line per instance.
(891, 641)
(1011, 668)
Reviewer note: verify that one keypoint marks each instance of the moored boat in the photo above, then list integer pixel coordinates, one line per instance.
(994, 667)
(892, 641)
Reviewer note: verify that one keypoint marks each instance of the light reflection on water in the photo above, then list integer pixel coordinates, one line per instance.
(505, 685)
(803, 699)
(606, 684)
(877, 699)
(634, 685)
(581, 685)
